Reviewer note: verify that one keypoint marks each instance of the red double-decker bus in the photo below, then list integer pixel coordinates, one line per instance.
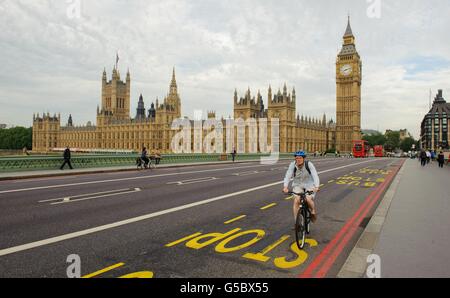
(378, 151)
(361, 149)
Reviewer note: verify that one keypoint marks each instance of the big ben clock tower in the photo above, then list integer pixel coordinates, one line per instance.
(348, 93)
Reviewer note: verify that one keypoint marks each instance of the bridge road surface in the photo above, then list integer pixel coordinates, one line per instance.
(204, 221)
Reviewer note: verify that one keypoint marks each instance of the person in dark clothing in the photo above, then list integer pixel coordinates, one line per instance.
(144, 157)
(441, 159)
(67, 158)
(423, 158)
(233, 154)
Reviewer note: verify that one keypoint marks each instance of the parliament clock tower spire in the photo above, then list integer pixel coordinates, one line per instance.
(348, 93)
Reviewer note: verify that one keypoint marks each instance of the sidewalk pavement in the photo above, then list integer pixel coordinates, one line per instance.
(410, 229)
(68, 172)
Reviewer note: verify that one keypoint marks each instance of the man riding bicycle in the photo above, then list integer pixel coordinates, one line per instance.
(305, 178)
(144, 157)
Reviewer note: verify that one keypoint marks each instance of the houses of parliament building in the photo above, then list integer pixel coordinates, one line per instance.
(115, 130)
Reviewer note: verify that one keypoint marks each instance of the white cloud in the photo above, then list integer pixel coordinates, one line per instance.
(53, 62)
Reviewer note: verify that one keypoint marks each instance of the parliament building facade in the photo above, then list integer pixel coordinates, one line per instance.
(115, 130)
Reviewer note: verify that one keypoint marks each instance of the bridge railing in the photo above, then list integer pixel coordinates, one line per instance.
(13, 164)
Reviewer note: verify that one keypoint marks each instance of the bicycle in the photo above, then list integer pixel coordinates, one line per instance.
(141, 164)
(303, 220)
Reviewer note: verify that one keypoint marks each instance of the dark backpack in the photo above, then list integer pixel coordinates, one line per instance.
(306, 166)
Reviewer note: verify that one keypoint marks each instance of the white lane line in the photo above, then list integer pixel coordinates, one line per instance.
(84, 195)
(69, 200)
(246, 173)
(130, 178)
(48, 241)
(122, 179)
(193, 181)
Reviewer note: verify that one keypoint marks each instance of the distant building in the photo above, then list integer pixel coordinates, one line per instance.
(434, 133)
(116, 130)
(370, 132)
(3, 126)
(404, 134)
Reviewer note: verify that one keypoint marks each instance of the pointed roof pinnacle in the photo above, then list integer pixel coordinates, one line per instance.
(348, 31)
(174, 79)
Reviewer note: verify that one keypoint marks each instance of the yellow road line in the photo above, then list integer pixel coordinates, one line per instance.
(182, 240)
(269, 206)
(235, 219)
(104, 270)
(142, 274)
(289, 198)
(331, 181)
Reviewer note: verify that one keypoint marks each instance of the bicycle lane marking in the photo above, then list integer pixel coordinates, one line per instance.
(238, 239)
(335, 247)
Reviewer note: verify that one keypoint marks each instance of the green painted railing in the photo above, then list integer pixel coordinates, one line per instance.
(14, 164)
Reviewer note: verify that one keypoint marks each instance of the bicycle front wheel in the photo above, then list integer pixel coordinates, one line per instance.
(300, 229)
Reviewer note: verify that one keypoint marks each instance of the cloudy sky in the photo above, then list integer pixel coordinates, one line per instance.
(52, 54)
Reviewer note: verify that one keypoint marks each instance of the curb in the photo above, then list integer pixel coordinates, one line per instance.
(112, 170)
(356, 264)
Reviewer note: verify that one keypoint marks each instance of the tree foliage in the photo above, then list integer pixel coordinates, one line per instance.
(406, 144)
(16, 138)
(392, 140)
(375, 139)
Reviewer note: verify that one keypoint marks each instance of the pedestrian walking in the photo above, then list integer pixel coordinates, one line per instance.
(428, 156)
(67, 157)
(233, 154)
(441, 159)
(158, 157)
(423, 158)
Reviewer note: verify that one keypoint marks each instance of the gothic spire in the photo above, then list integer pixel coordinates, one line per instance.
(174, 80)
(349, 31)
(70, 122)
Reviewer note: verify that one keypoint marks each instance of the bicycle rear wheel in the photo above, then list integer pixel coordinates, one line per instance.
(300, 229)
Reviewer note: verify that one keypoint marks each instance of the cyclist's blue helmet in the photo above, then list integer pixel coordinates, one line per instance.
(300, 154)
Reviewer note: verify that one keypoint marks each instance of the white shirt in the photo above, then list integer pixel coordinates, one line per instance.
(303, 179)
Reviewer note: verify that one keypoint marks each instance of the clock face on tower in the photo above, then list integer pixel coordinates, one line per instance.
(346, 70)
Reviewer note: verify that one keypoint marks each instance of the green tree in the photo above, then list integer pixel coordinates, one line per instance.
(407, 144)
(375, 139)
(392, 140)
(16, 138)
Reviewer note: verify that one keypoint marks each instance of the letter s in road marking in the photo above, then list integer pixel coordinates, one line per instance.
(282, 263)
